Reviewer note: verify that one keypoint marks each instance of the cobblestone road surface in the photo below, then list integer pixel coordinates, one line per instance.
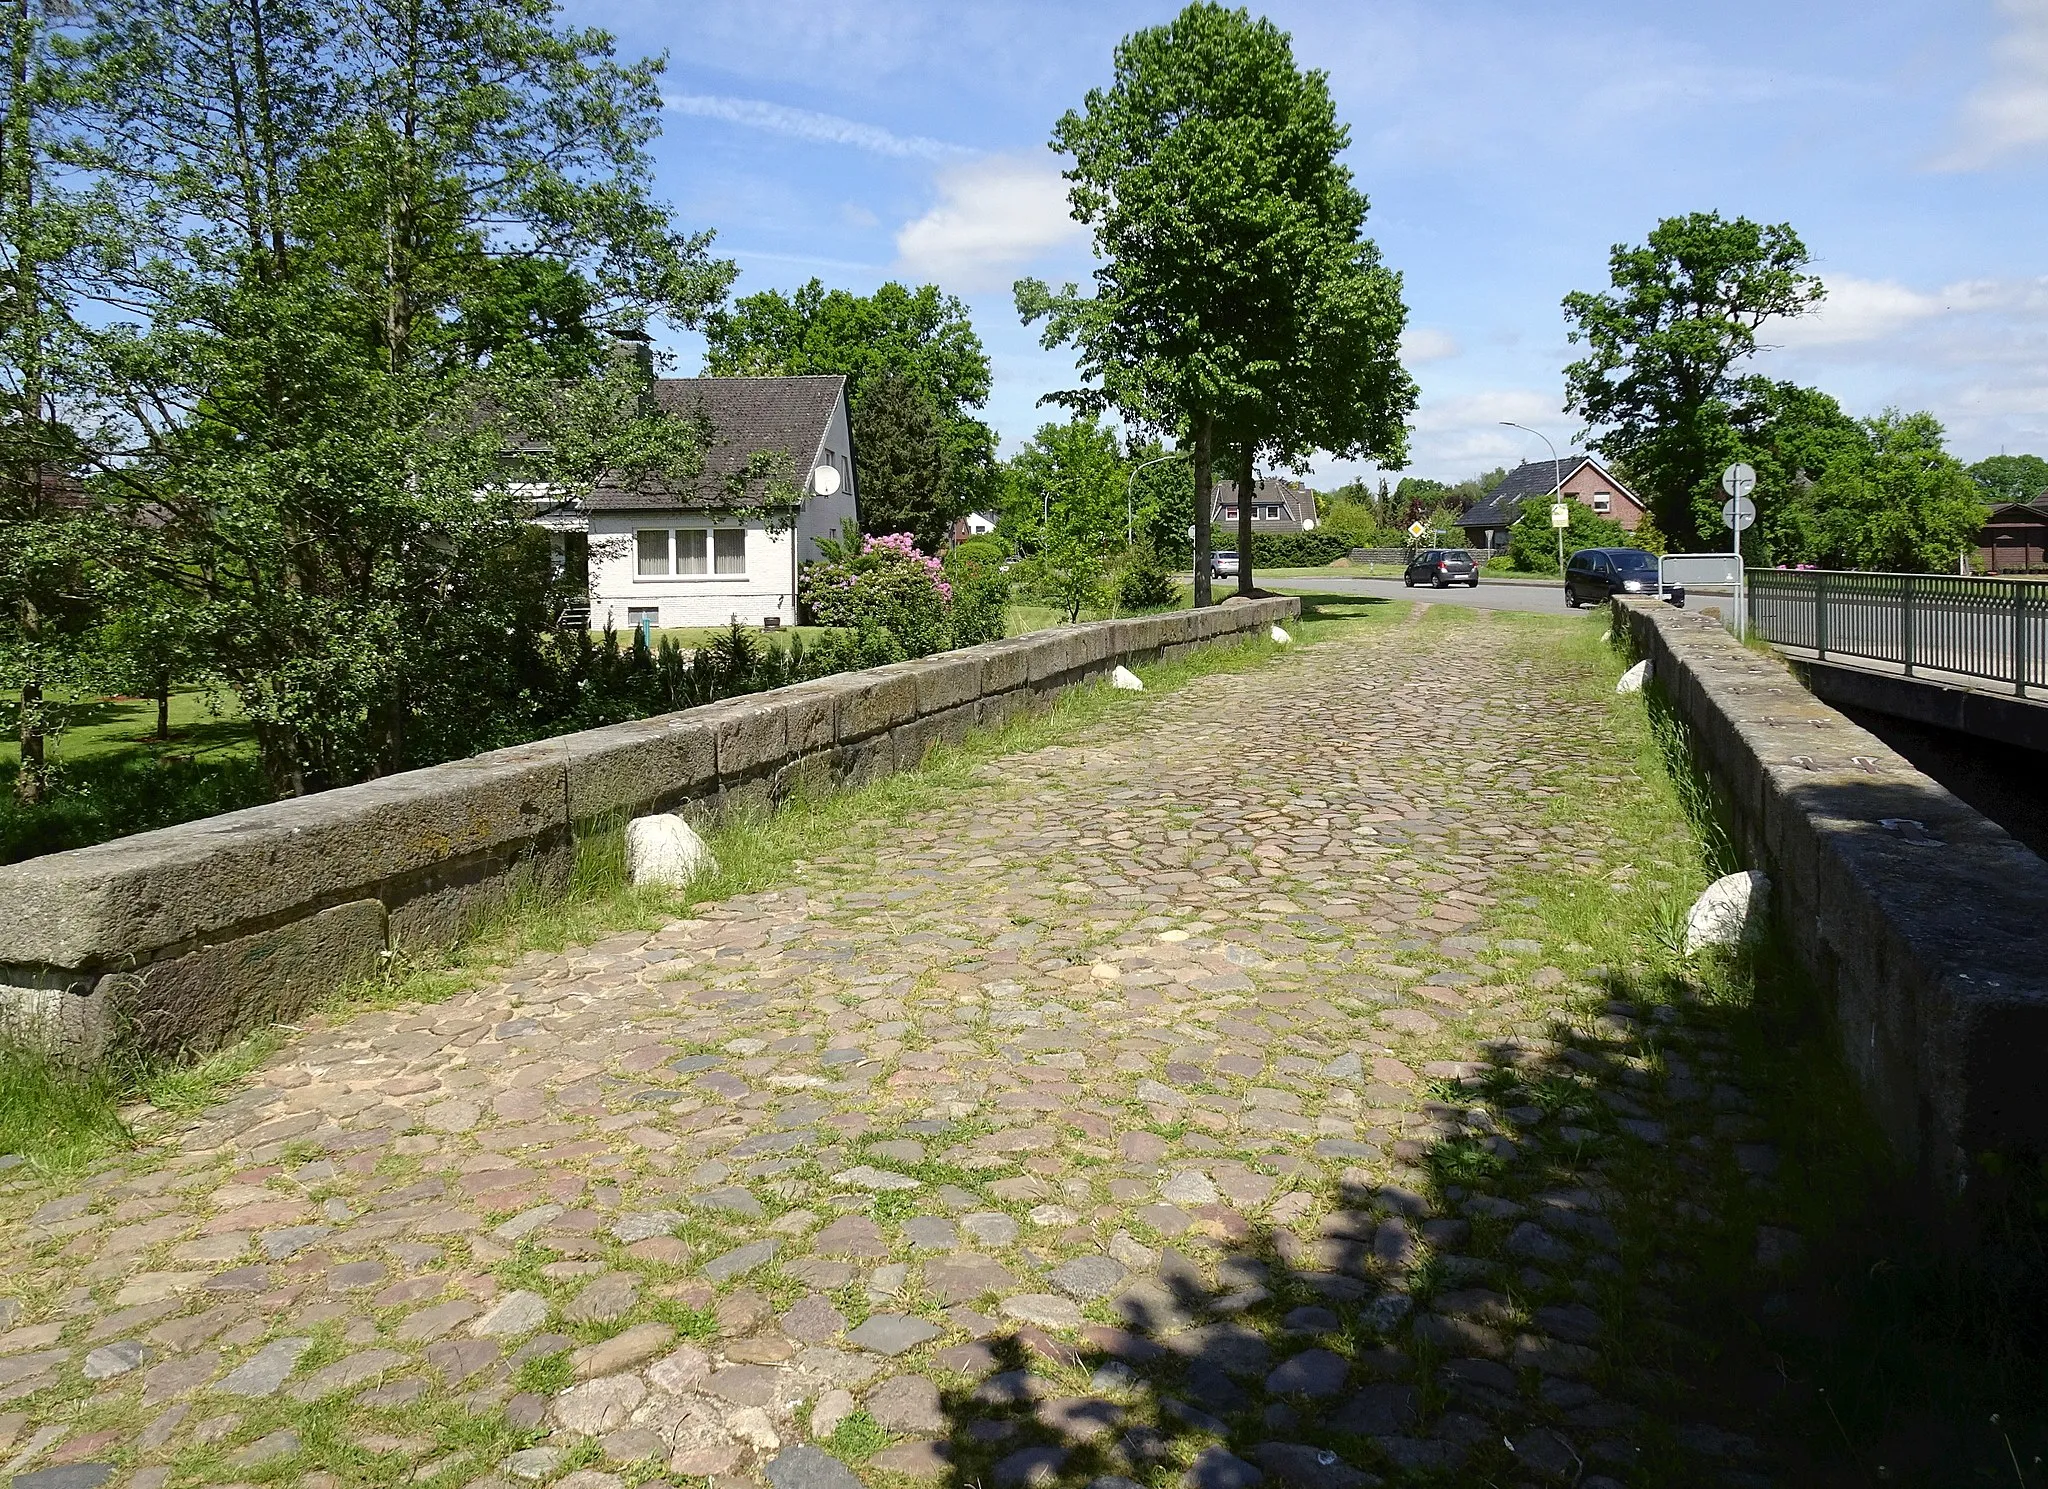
(1092, 1126)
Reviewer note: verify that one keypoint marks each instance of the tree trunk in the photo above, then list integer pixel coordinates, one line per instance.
(163, 706)
(30, 779)
(1204, 486)
(1246, 491)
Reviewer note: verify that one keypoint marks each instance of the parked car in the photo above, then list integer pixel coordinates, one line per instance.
(1595, 574)
(1441, 568)
(1223, 564)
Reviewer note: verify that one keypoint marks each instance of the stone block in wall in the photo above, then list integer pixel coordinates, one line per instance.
(946, 681)
(862, 762)
(122, 902)
(753, 736)
(648, 765)
(213, 995)
(441, 905)
(1054, 653)
(814, 771)
(1095, 646)
(1004, 664)
(993, 710)
(808, 711)
(874, 702)
(1174, 628)
(66, 1013)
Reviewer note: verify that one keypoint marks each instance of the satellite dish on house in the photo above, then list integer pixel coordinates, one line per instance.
(825, 480)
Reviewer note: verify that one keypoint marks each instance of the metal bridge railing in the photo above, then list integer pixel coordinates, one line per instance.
(1995, 629)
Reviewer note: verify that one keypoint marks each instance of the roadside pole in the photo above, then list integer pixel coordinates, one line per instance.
(1737, 513)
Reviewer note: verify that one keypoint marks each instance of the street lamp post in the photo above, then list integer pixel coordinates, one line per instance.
(1556, 481)
(1130, 481)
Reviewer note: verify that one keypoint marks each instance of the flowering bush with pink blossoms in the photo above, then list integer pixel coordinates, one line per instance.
(895, 598)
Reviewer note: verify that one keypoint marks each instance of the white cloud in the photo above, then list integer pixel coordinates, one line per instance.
(1855, 310)
(994, 216)
(805, 124)
(2008, 115)
(1427, 344)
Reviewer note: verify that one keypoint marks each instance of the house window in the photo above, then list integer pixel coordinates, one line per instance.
(729, 550)
(1601, 501)
(1230, 514)
(642, 620)
(652, 543)
(692, 547)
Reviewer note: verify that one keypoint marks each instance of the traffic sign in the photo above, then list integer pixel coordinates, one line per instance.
(1560, 514)
(1739, 479)
(1416, 529)
(1738, 512)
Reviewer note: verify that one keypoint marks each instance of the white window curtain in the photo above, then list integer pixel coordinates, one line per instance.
(729, 550)
(652, 543)
(692, 548)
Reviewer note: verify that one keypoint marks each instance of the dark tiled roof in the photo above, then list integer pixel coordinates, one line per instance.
(1299, 500)
(744, 415)
(1502, 506)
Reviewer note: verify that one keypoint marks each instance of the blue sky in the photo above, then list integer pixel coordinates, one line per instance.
(1505, 147)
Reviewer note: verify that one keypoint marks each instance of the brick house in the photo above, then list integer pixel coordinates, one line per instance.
(1585, 480)
(2014, 538)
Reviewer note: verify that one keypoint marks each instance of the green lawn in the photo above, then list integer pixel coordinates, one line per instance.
(202, 725)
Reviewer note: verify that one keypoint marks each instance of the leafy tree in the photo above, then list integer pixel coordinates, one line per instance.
(1904, 504)
(2011, 478)
(1662, 346)
(1068, 573)
(921, 337)
(899, 439)
(1068, 482)
(1237, 307)
(1532, 541)
(51, 547)
(381, 245)
(1793, 436)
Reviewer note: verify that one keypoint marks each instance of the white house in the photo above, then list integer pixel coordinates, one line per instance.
(662, 558)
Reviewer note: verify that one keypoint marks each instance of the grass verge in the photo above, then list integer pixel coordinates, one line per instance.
(62, 1121)
(1874, 1351)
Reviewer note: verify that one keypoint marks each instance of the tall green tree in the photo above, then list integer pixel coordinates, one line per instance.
(899, 440)
(1901, 503)
(1066, 485)
(51, 546)
(2011, 478)
(1238, 307)
(1659, 383)
(879, 343)
(381, 246)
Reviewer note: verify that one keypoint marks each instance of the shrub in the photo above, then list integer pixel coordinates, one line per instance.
(1532, 541)
(1067, 574)
(981, 592)
(1144, 582)
(1296, 550)
(889, 587)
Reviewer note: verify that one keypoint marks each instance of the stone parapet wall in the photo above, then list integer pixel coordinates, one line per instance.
(185, 938)
(1922, 922)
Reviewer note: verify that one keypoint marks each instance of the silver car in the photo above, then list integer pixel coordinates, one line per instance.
(1223, 564)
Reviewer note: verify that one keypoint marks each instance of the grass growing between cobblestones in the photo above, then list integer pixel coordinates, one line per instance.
(1790, 1288)
(61, 1121)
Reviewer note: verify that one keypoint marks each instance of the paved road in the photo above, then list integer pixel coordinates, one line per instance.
(1546, 599)
(1161, 1049)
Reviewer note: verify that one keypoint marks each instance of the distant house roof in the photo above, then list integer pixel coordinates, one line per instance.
(1297, 498)
(1503, 505)
(744, 416)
